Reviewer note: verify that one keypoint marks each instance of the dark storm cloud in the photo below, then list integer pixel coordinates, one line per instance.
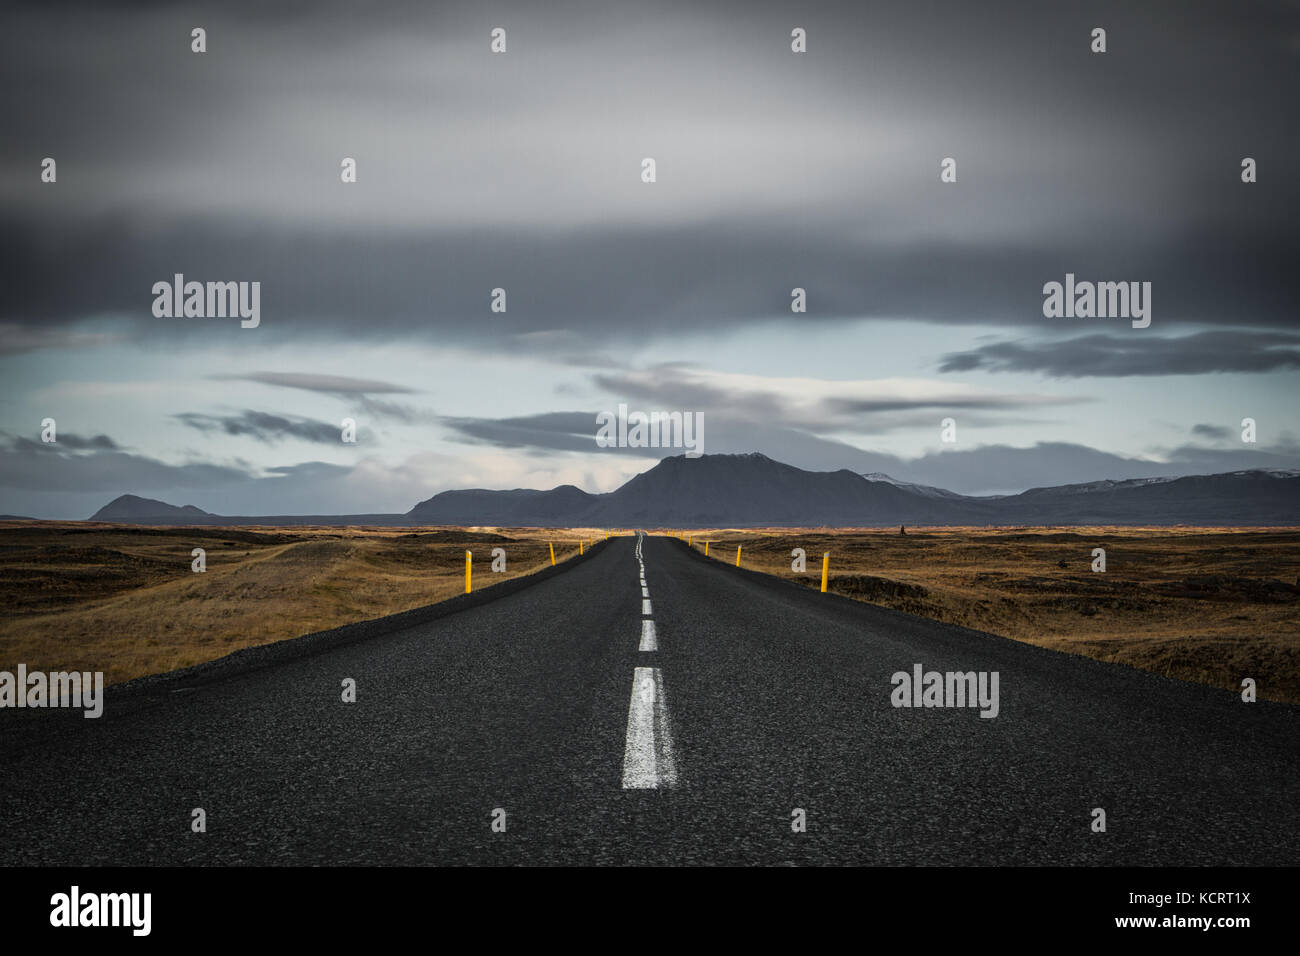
(607, 285)
(264, 427)
(1135, 354)
(520, 171)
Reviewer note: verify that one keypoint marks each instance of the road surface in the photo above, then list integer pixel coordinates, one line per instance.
(597, 720)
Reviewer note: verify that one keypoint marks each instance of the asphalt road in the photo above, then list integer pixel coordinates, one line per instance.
(759, 698)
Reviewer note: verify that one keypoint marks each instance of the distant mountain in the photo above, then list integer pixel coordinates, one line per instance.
(711, 490)
(131, 509)
(134, 509)
(1263, 497)
(753, 490)
(742, 490)
(928, 490)
(558, 507)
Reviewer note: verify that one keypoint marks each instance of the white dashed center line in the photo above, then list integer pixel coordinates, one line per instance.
(648, 640)
(648, 760)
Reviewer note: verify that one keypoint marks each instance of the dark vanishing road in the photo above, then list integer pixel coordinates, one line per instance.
(759, 698)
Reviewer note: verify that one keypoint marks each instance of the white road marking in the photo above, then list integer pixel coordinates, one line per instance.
(648, 640)
(645, 592)
(648, 760)
(645, 607)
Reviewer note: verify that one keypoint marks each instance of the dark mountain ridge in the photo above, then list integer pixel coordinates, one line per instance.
(755, 491)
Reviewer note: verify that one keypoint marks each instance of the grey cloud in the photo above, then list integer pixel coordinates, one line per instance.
(520, 171)
(67, 441)
(264, 427)
(677, 386)
(74, 486)
(551, 431)
(310, 471)
(620, 284)
(102, 471)
(359, 390)
(313, 382)
(18, 339)
(1216, 432)
(1137, 353)
(987, 469)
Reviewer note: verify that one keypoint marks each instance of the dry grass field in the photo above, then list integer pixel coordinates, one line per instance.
(1211, 605)
(124, 600)
(1200, 604)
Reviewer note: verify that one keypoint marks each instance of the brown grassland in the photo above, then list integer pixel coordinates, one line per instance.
(1199, 604)
(1212, 605)
(124, 600)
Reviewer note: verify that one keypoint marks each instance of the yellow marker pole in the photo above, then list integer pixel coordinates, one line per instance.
(469, 559)
(688, 541)
(552, 547)
(826, 566)
(579, 546)
(706, 549)
(737, 555)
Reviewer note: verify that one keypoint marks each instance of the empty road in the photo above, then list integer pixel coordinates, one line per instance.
(649, 706)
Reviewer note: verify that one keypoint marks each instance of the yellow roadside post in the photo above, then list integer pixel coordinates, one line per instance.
(579, 546)
(469, 558)
(706, 549)
(737, 555)
(826, 566)
(551, 544)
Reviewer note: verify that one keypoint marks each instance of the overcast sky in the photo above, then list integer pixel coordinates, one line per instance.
(522, 171)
